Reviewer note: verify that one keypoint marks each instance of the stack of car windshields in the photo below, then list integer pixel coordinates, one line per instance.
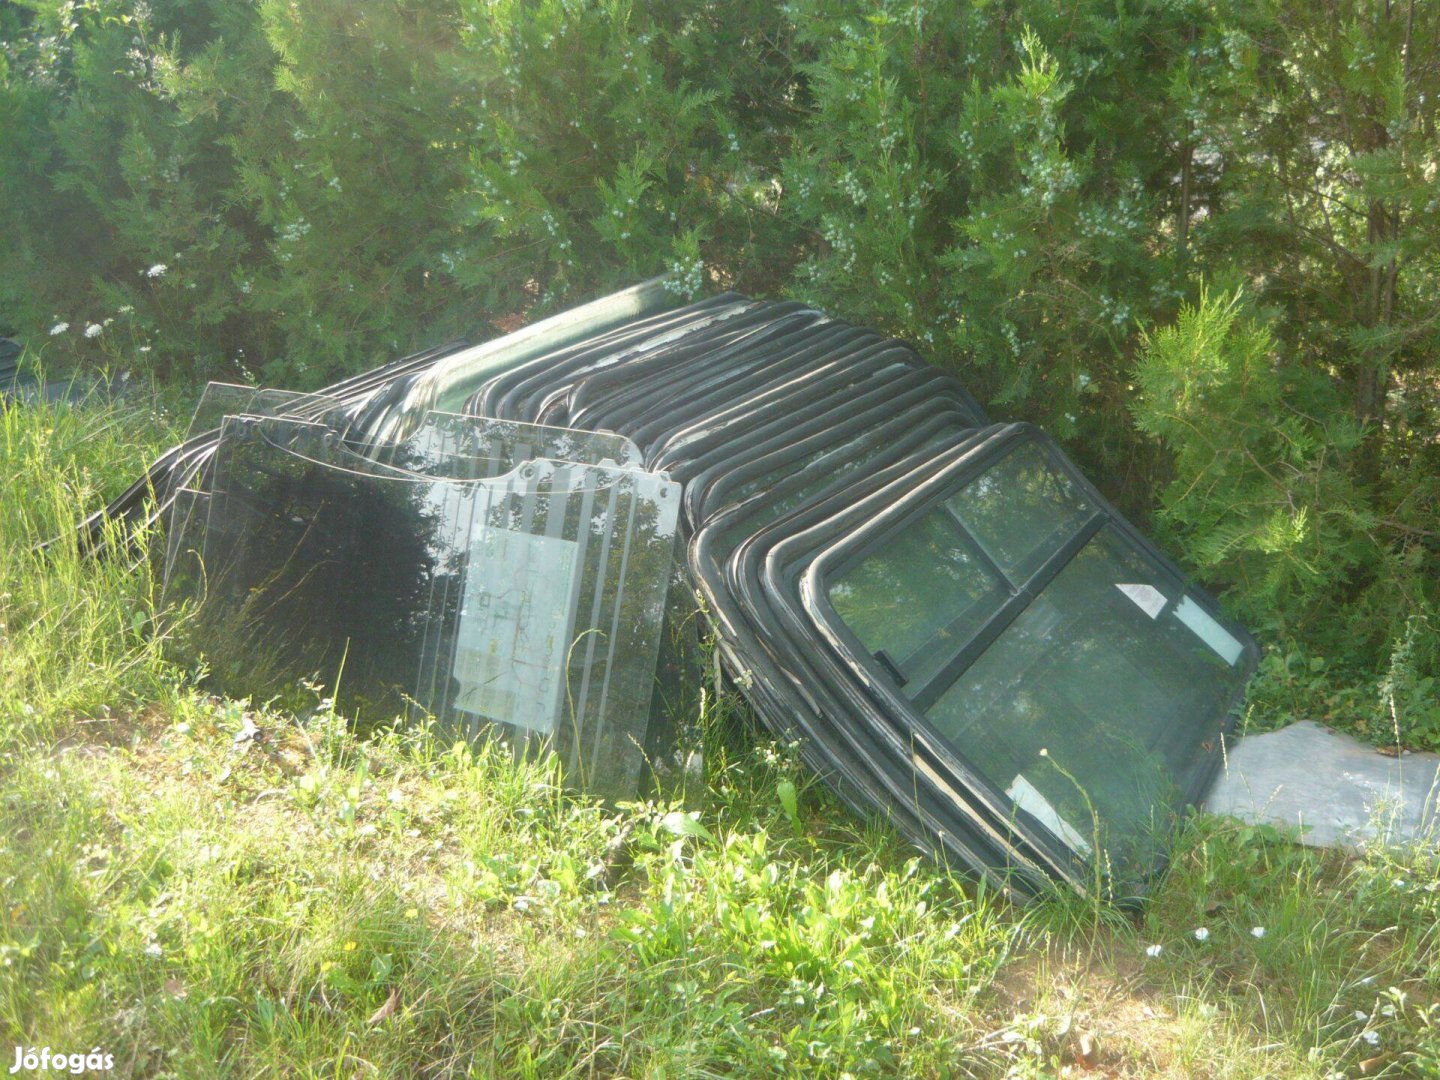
(957, 631)
(950, 620)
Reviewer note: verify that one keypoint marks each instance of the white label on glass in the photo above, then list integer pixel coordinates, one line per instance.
(1147, 598)
(1037, 806)
(513, 637)
(1208, 630)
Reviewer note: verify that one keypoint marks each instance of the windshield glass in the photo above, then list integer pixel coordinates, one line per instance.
(1020, 510)
(1092, 708)
(919, 596)
(1096, 700)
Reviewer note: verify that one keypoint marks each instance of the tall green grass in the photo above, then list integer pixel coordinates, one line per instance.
(77, 637)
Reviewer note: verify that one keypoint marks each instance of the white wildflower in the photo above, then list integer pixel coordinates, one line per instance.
(1257, 931)
(1153, 951)
(154, 950)
(158, 270)
(94, 330)
(59, 328)
(1372, 1037)
(1202, 934)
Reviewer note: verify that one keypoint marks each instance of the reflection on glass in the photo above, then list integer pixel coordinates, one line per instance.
(454, 446)
(219, 400)
(1097, 680)
(532, 601)
(1020, 510)
(184, 540)
(919, 595)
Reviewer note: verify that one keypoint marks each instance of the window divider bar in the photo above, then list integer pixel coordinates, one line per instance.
(930, 691)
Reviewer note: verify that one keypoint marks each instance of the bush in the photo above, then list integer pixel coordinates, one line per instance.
(1030, 191)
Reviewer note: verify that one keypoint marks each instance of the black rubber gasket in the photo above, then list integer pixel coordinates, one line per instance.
(858, 528)
(737, 595)
(503, 397)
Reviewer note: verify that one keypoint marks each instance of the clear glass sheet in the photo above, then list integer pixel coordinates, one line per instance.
(531, 602)
(189, 507)
(1020, 510)
(445, 445)
(448, 445)
(678, 703)
(445, 439)
(219, 400)
(1094, 702)
(183, 575)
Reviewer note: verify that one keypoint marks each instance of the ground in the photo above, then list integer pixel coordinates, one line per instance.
(205, 887)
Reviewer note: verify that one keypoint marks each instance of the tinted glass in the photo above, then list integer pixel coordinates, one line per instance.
(1020, 510)
(1107, 676)
(918, 593)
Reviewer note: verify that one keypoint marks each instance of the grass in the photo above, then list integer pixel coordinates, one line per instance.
(207, 888)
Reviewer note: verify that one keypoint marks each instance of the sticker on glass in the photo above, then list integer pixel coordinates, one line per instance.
(1208, 630)
(513, 637)
(1147, 598)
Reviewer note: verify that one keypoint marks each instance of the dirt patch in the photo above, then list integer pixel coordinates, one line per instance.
(1094, 1010)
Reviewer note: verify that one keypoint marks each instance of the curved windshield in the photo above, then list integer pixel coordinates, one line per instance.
(1093, 704)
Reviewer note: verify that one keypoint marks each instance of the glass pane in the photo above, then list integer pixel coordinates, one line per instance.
(219, 400)
(474, 445)
(444, 440)
(1095, 703)
(1020, 510)
(530, 603)
(190, 505)
(184, 539)
(921, 594)
(443, 445)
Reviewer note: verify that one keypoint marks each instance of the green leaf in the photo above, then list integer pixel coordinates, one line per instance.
(790, 801)
(683, 824)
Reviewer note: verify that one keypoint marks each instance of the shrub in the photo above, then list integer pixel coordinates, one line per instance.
(1027, 191)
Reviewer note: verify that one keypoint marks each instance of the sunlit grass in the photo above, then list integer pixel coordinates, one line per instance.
(207, 888)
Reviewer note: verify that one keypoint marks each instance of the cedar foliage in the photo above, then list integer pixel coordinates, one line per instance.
(1036, 193)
